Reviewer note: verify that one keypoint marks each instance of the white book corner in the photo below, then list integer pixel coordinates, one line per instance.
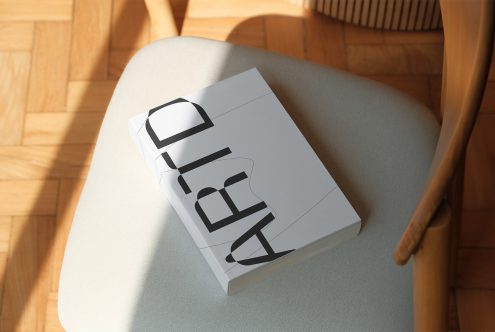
(247, 185)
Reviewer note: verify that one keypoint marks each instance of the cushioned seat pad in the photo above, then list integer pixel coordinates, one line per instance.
(131, 265)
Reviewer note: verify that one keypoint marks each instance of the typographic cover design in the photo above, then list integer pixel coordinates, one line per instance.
(245, 182)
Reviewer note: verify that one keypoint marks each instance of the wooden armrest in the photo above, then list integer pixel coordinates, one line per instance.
(469, 33)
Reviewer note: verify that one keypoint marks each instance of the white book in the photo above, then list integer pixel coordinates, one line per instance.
(243, 179)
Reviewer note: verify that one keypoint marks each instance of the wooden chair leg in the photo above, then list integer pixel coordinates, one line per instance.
(161, 19)
(431, 274)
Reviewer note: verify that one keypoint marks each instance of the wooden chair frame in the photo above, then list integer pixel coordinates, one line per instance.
(431, 233)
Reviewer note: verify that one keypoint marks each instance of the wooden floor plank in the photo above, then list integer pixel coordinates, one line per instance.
(70, 190)
(238, 30)
(49, 67)
(130, 24)
(118, 61)
(5, 231)
(476, 309)
(3, 267)
(251, 8)
(90, 39)
(424, 58)
(61, 128)
(318, 31)
(488, 104)
(14, 71)
(33, 197)
(478, 228)
(411, 37)
(476, 268)
(377, 60)
(35, 10)
(27, 275)
(16, 36)
(4, 235)
(479, 183)
(491, 74)
(44, 162)
(285, 35)
(89, 96)
(355, 34)
(415, 86)
(395, 59)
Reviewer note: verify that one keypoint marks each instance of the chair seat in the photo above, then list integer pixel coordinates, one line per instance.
(130, 263)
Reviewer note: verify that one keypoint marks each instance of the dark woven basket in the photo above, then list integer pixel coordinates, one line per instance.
(399, 15)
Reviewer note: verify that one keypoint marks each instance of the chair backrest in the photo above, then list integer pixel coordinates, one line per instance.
(469, 32)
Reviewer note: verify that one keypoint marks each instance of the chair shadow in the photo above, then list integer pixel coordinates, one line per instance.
(17, 293)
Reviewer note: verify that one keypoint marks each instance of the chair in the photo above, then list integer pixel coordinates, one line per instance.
(130, 264)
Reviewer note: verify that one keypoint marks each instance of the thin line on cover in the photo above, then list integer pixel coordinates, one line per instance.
(252, 192)
(160, 151)
(288, 226)
(220, 115)
(248, 102)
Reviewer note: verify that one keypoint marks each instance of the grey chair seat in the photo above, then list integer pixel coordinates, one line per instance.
(131, 265)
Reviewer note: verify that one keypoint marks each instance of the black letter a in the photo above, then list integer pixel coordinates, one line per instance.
(236, 214)
(256, 231)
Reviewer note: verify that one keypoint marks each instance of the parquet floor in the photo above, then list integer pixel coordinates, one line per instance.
(59, 62)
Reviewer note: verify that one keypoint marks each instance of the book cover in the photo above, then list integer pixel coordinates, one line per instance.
(247, 185)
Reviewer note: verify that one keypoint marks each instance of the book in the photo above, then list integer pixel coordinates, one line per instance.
(246, 184)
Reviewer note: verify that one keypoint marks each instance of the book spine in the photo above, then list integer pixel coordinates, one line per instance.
(215, 266)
